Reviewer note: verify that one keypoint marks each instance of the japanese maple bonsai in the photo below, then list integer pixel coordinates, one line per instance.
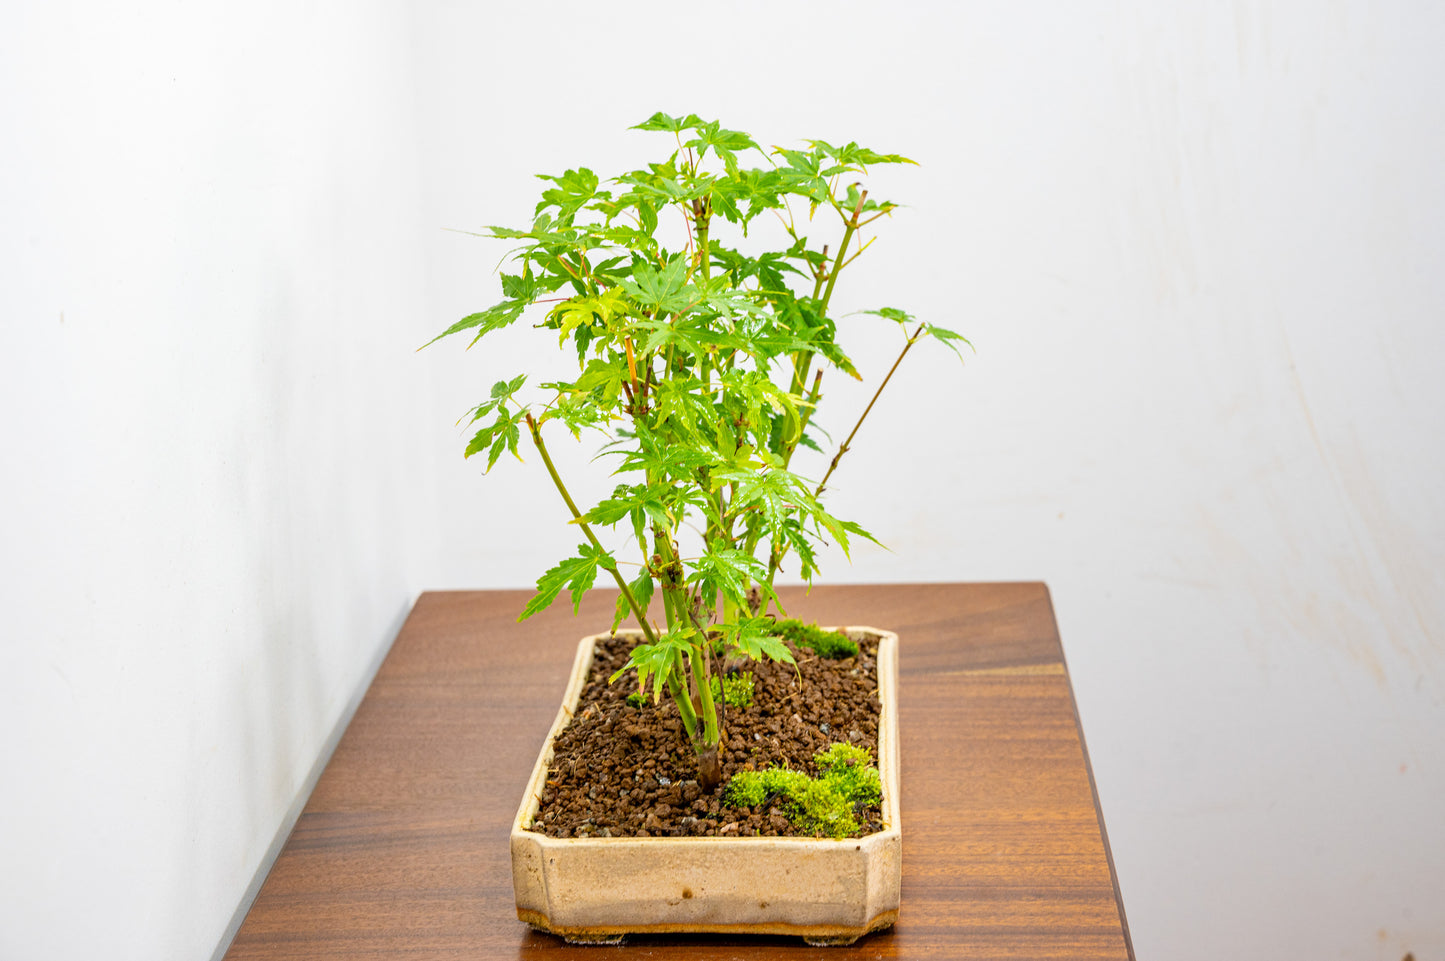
(701, 363)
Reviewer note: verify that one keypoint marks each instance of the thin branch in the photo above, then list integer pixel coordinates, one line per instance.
(865, 246)
(852, 433)
(637, 611)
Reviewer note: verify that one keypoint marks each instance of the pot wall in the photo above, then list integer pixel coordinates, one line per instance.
(590, 888)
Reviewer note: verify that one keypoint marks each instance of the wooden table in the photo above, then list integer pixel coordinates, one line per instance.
(402, 852)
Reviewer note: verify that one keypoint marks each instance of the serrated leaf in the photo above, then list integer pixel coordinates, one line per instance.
(503, 389)
(947, 338)
(641, 589)
(493, 318)
(834, 527)
(498, 445)
(667, 657)
(647, 215)
(854, 156)
(728, 570)
(480, 411)
(625, 499)
(659, 289)
(797, 538)
(753, 637)
(576, 411)
(855, 529)
(603, 379)
(725, 143)
(574, 189)
(664, 122)
(773, 493)
(580, 311)
(524, 287)
(481, 441)
(575, 573)
(891, 313)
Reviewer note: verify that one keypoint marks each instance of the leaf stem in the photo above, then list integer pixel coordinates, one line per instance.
(852, 433)
(777, 555)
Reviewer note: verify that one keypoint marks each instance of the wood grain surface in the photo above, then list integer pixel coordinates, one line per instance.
(402, 850)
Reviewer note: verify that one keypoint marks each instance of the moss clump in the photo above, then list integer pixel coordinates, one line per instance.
(834, 645)
(637, 699)
(735, 689)
(822, 806)
(847, 767)
(751, 788)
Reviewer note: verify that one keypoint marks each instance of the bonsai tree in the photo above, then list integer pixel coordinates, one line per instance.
(700, 364)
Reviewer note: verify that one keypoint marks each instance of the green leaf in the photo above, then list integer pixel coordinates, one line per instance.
(856, 157)
(725, 143)
(659, 290)
(797, 538)
(641, 589)
(647, 214)
(947, 338)
(659, 660)
(524, 287)
(662, 458)
(579, 311)
(681, 407)
(574, 189)
(480, 411)
(773, 493)
(728, 570)
(669, 124)
(759, 190)
(576, 573)
(576, 411)
(493, 318)
(901, 317)
(504, 389)
(603, 379)
(840, 530)
(853, 528)
(499, 444)
(638, 501)
(753, 638)
(483, 439)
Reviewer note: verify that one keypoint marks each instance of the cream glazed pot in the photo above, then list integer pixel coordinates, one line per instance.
(826, 891)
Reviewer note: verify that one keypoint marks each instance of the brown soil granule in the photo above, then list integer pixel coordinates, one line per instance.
(624, 771)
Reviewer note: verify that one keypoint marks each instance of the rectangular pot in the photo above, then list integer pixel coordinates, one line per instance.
(827, 891)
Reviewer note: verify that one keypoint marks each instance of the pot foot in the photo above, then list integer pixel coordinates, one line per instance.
(601, 940)
(841, 941)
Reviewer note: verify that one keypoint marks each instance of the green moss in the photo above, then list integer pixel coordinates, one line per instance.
(830, 644)
(847, 767)
(637, 699)
(751, 788)
(736, 689)
(822, 806)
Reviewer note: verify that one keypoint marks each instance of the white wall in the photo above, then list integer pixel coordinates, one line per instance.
(210, 288)
(1198, 247)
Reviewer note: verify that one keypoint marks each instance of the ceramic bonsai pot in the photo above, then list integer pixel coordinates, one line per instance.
(826, 891)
